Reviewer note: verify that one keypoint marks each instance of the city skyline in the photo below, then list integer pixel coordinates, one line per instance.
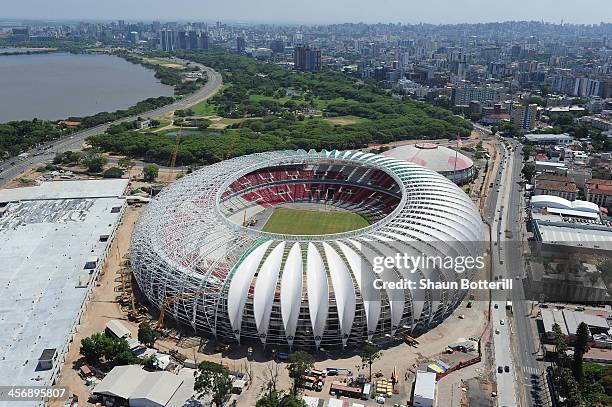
(317, 11)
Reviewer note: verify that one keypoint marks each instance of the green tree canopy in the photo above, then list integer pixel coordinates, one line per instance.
(299, 362)
(150, 172)
(213, 379)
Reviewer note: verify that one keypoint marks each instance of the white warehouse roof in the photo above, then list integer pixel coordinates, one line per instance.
(425, 386)
(66, 190)
(551, 201)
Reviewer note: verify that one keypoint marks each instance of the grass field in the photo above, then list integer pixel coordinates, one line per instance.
(306, 222)
(204, 109)
(345, 120)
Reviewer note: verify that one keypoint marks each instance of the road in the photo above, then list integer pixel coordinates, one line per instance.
(531, 376)
(13, 167)
(514, 342)
(504, 364)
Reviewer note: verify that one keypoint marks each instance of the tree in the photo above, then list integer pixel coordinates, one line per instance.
(113, 172)
(529, 171)
(271, 374)
(299, 362)
(567, 386)
(95, 347)
(125, 163)
(150, 172)
(580, 348)
(95, 162)
(369, 355)
(560, 344)
(149, 362)
(147, 335)
(277, 400)
(213, 379)
(119, 353)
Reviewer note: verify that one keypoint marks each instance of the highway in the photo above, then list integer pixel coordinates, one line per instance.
(531, 376)
(514, 343)
(504, 364)
(11, 168)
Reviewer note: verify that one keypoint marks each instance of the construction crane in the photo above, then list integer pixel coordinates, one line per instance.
(236, 137)
(176, 149)
(171, 300)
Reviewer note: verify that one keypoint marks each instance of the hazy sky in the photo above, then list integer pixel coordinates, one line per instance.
(315, 11)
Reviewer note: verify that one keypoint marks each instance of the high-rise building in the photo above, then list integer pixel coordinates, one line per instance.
(307, 59)
(277, 46)
(240, 45)
(167, 40)
(524, 115)
(193, 42)
(134, 37)
(181, 39)
(464, 95)
(204, 42)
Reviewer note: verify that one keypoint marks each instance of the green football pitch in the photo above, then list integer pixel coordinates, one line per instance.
(306, 222)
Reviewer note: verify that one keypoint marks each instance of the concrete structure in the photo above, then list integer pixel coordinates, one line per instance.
(303, 291)
(307, 59)
(556, 185)
(524, 116)
(47, 235)
(452, 164)
(424, 389)
(464, 95)
(599, 192)
(548, 139)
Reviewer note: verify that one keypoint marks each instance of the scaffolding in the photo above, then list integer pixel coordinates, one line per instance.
(301, 291)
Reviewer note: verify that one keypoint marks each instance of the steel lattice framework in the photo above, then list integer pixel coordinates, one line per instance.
(301, 291)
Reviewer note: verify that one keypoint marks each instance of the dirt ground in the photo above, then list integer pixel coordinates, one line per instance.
(103, 306)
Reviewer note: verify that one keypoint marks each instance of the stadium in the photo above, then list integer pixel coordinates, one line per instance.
(276, 247)
(452, 164)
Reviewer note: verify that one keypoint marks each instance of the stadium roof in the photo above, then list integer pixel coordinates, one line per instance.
(438, 158)
(184, 234)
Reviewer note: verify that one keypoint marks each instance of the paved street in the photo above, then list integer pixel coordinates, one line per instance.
(504, 365)
(13, 167)
(515, 345)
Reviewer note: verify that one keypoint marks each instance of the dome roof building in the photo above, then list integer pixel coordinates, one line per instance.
(450, 163)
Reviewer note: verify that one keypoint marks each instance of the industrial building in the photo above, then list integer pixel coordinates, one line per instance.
(549, 139)
(136, 387)
(560, 223)
(53, 241)
(568, 321)
(452, 164)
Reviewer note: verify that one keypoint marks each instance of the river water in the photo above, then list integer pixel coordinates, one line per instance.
(55, 86)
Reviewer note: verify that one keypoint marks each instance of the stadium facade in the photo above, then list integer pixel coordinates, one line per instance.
(238, 283)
